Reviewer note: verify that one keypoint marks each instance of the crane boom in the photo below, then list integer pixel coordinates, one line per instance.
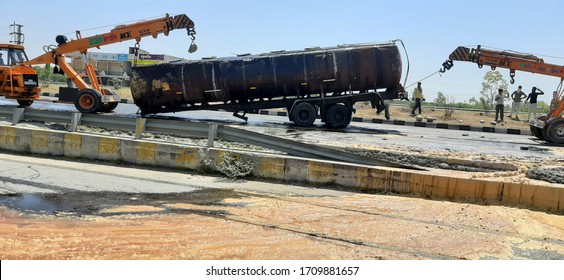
(504, 59)
(120, 33)
(550, 127)
(96, 97)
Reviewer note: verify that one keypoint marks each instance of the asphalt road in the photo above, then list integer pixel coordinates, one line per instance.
(59, 209)
(362, 134)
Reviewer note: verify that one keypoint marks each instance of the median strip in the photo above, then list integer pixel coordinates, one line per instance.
(436, 184)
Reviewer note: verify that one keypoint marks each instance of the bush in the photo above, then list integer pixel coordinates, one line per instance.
(233, 167)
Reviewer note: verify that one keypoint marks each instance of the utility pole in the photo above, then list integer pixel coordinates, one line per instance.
(17, 35)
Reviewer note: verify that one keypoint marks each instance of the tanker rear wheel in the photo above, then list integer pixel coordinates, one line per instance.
(304, 114)
(338, 116)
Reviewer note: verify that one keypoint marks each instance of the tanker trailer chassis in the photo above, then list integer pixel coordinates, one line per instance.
(334, 111)
(324, 82)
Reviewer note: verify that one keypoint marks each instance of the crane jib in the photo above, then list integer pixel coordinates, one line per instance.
(182, 21)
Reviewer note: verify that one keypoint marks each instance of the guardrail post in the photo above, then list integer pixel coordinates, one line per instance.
(212, 134)
(140, 127)
(18, 115)
(75, 121)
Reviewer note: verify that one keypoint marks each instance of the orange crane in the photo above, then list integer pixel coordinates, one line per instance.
(90, 98)
(549, 127)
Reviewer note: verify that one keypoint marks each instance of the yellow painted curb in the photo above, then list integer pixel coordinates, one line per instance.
(8, 136)
(39, 140)
(272, 168)
(146, 153)
(108, 148)
(72, 145)
(320, 172)
(188, 158)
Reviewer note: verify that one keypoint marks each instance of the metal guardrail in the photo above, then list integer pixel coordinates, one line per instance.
(188, 129)
(297, 148)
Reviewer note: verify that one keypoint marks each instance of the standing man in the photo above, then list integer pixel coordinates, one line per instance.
(516, 96)
(498, 98)
(418, 97)
(532, 98)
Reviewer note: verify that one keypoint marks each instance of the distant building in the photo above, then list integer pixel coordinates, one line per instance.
(117, 65)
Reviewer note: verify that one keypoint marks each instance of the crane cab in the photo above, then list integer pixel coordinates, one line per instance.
(11, 55)
(16, 80)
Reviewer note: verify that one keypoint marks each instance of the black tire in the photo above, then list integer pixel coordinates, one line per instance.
(88, 101)
(537, 132)
(108, 107)
(554, 131)
(25, 103)
(338, 116)
(304, 114)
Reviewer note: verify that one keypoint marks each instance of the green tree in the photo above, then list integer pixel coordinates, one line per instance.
(446, 102)
(441, 99)
(46, 76)
(473, 101)
(43, 74)
(493, 80)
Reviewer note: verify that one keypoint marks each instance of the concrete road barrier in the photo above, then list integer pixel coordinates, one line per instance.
(541, 196)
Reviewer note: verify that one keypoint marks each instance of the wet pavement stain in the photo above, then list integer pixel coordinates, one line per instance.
(31, 203)
(89, 203)
(537, 254)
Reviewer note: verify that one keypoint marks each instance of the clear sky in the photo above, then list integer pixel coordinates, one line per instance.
(430, 29)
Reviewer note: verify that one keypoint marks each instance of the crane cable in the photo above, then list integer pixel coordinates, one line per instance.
(114, 25)
(437, 72)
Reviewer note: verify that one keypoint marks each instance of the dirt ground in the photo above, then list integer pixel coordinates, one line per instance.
(245, 226)
(400, 111)
(509, 168)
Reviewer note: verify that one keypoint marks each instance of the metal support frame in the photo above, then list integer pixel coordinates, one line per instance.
(75, 121)
(212, 134)
(140, 126)
(18, 115)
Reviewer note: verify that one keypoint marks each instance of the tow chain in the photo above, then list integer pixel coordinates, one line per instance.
(135, 53)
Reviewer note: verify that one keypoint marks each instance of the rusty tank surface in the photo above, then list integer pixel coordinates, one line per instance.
(247, 83)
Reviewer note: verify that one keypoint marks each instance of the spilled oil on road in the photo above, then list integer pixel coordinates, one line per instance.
(228, 224)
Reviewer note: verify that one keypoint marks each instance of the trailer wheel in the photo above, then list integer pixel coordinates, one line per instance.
(537, 132)
(88, 101)
(338, 116)
(25, 103)
(554, 131)
(108, 107)
(304, 114)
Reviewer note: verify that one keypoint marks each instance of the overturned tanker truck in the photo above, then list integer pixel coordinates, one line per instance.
(324, 82)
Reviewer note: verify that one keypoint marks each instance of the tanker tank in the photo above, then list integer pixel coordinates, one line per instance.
(281, 79)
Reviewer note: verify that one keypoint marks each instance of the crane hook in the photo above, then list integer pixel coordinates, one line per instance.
(193, 47)
(446, 66)
(512, 76)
